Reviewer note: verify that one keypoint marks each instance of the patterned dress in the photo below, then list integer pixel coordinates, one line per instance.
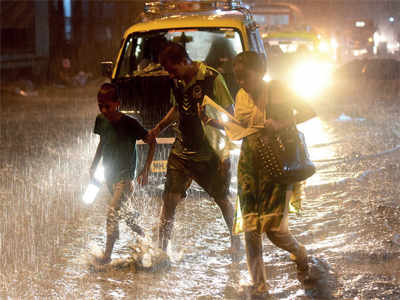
(261, 203)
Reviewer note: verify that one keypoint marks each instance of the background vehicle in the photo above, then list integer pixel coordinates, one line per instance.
(301, 57)
(211, 31)
(298, 54)
(356, 39)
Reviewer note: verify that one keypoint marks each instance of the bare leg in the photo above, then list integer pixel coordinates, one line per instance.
(135, 228)
(130, 220)
(227, 211)
(112, 234)
(286, 241)
(119, 191)
(298, 252)
(255, 262)
(282, 238)
(170, 202)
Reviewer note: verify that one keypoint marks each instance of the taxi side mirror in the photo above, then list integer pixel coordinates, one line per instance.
(107, 68)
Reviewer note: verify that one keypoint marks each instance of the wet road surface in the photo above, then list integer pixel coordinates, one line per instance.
(350, 221)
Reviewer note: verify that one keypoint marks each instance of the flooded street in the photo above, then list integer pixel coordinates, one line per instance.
(350, 220)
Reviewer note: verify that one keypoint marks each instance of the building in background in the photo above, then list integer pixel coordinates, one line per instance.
(37, 35)
(24, 39)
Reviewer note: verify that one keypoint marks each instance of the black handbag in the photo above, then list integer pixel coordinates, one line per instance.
(284, 155)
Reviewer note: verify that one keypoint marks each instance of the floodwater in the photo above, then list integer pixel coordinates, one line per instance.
(350, 219)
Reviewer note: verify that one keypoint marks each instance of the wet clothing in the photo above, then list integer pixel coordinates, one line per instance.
(208, 174)
(192, 155)
(191, 142)
(280, 236)
(118, 142)
(119, 146)
(263, 206)
(119, 208)
(261, 202)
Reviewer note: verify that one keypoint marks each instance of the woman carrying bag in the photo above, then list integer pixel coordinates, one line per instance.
(263, 205)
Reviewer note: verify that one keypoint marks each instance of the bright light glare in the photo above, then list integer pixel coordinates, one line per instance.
(392, 47)
(360, 24)
(224, 118)
(221, 144)
(94, 186)
(323, 46)
(236, 148)
(377, 38)
(267, 78)
(334, 43)
(99, 174)
(359, 52)
(311, 77)
(90, 193)
(318, 139)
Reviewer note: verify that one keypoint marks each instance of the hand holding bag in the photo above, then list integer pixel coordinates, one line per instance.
(284, 155)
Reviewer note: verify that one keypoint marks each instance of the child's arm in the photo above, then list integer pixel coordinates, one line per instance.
(164, 123)
(96, 159)
(142, 179)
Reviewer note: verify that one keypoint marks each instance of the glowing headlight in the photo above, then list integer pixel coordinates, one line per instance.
(311, 77)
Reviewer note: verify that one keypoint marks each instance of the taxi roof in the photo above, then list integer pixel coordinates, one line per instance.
(227, 19)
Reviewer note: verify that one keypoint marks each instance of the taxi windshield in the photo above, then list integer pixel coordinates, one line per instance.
(214, 46)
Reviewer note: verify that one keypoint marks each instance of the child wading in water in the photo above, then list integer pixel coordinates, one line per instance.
(263, 204)
(118, 134)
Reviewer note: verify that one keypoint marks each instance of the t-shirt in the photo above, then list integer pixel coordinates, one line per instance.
(119, 146)
(191, 142)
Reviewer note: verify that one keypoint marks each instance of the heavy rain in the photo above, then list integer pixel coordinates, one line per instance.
(350, 217)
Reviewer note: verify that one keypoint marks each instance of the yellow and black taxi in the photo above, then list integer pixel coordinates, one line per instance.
(211, 31)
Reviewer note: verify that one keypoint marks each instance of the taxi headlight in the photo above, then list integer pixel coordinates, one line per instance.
(310, 78)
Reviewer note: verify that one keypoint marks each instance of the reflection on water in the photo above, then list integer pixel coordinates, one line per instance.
(201, 264)
(321, 145)
(318, 136)
(46, 231)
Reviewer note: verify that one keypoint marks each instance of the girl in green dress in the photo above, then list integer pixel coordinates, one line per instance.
(263, 205)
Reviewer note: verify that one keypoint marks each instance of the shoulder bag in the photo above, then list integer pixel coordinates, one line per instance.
(284, 154)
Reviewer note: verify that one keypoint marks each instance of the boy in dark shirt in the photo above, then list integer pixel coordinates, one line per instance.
(192, 156)
(118, 134)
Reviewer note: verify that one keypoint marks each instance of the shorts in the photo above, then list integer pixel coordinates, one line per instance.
(209, 174)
